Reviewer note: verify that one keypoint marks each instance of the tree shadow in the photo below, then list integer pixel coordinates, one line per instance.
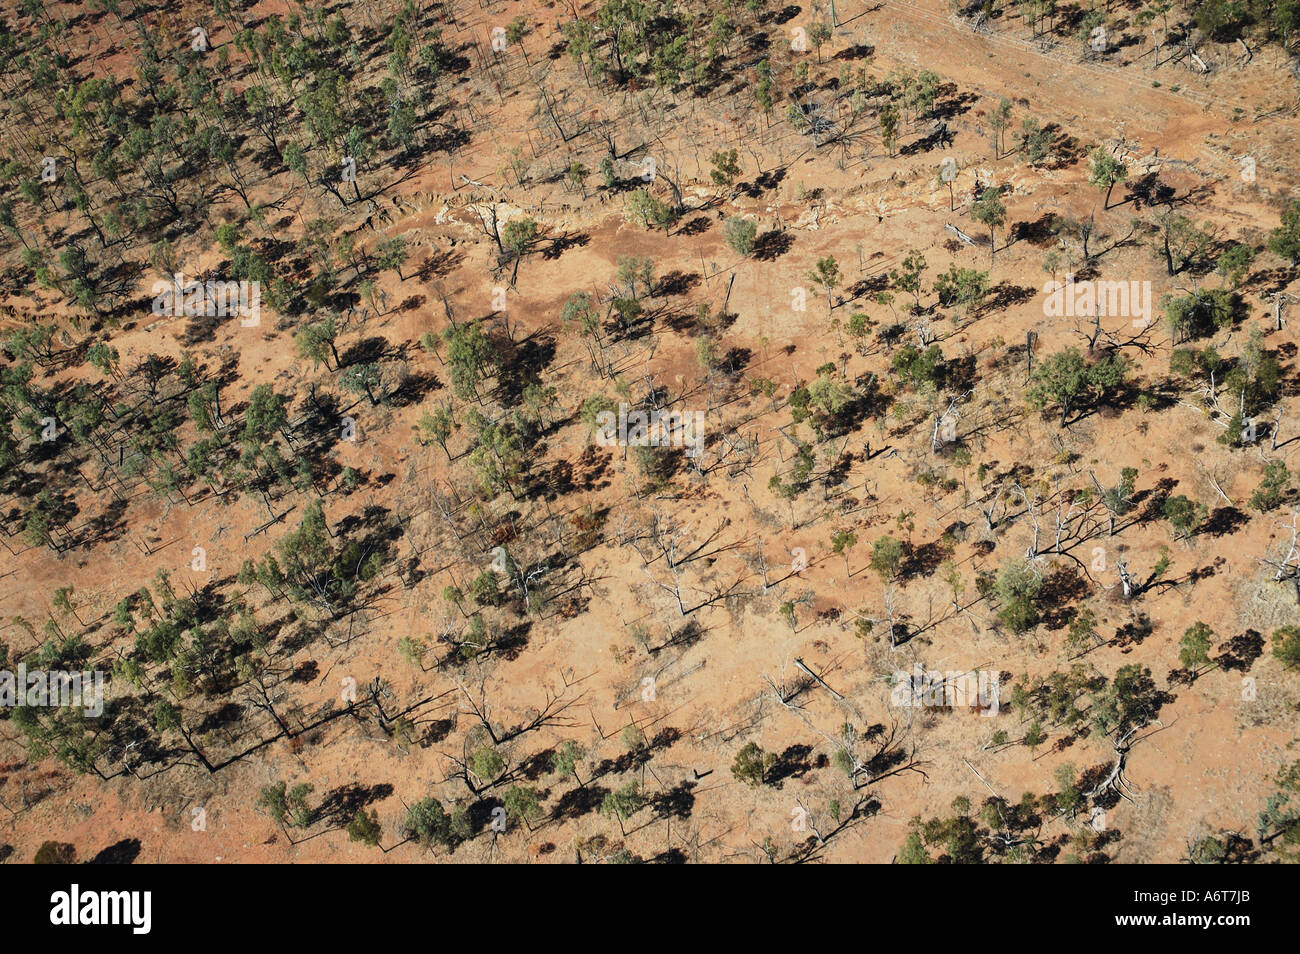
(771, 245)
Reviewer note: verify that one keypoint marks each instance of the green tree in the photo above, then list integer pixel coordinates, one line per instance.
(1194, 647)
(623, 803)
(522, 803)
(317, 343)
(518, 236)
(1273, 487)
(364, 827)
(820, 34)
(1064, 379)
(652, 212)
(887, 557)
(964, 288)
(1184, 515)
(752, 764)
(889, 127)
(827, 275)
(1234, 264)
(486, 763)
(913, 852)
(1017, 587)
(842, 541)
(516, 29)
(1286, 646)
(726, 169)
(1200, 313)
(1035, 142)
(1104, 171)
(989, 210)
(428, 823)
(471, 358)
(577, 176)
(998, 120)
(437, 427)
(908, 276)
(565, 759)
(740, 234)
(1284, 241)
(363, 379)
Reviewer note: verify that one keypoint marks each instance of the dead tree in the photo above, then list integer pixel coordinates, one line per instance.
(1288, 568)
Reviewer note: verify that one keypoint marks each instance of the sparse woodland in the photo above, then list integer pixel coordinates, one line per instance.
(936, 338)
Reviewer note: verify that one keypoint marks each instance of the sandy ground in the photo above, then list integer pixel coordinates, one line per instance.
(1206, 767)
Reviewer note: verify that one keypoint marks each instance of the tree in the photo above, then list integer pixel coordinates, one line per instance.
(364, 827)
(913, 852)
(1067, 381)
(908, 276)
(740, 234)
(726, 170)
(487, 763)
(470, 358)
(1279, 822)
(1035, 142)
(623, 803)
(1234, 264)
(645, 208)
(1286, 646)
(284, 805)
(999, 119)
(1200, 313)
(887, 557)
(607, 172)
(763, 91)
(633, 738)
(920, 369)
(565, 759)
(1017, 587)
(1194, 647)
(989, 210)
(827, 275)
(820, 34)
(363, 379)
(1284, 241)
(1082, 633)
(522, 803)
(62, 601)
(966, 288)
(1118, 500)
(104, 357)
(515, 31)
(518, 237)
(889, 127)
(438, 427)
(316, 343)
(842, 541)
(428, 823)
(1129, 701)
(265, 416)
(1273, 487)
(391, 254)
(1184, 515)
(752, 764)
(498, 455)
(1104, 171)
(577, 176)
